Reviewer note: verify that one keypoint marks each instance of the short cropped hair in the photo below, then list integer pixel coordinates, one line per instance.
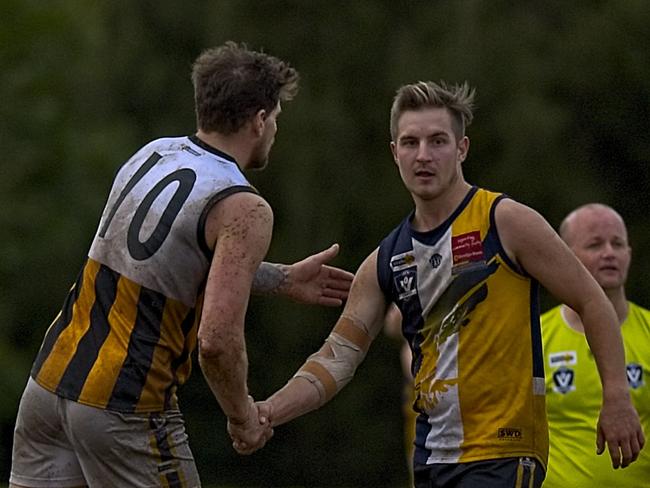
(457, 99)
(233, 83)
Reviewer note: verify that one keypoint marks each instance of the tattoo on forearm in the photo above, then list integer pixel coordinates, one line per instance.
(269, 278)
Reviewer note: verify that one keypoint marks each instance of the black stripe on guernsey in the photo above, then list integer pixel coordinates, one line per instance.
(165, 468)
(200, 230)
(59, 324)
(186, 327)
(502, 252)
(142, 344)
(422, 429)
(78, 369)
(536, 331)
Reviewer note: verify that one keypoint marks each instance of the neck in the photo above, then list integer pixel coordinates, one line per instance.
(235, 145)
(429, 214)
(616, 297)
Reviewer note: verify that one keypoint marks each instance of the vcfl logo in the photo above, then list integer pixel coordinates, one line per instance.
(634, 375)
(563, 380)
(406, 283)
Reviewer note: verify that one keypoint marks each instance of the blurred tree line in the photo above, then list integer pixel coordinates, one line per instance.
(562, 120)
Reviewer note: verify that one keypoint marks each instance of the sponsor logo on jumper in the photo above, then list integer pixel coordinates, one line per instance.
(634, 375)
(509, 434)
(402, 261)
(467, 248)
(563, 380)
(406, 283)
(435, 260)
(562, 358)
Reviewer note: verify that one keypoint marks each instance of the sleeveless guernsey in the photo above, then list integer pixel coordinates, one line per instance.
(574, 397)
(471, 317)
(125, 334)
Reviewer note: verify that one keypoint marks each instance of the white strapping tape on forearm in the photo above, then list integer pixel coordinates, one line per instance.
(333, 366)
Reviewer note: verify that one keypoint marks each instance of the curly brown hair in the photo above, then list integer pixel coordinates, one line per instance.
(232, 83)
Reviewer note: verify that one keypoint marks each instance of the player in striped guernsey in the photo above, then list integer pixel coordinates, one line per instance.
(178, 249)
(463, 268)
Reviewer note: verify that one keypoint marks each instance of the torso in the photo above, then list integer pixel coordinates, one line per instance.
(471, 319)
(124, 337)
(574, 399)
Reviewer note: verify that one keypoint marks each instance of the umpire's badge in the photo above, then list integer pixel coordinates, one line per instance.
(563, 380)
(406, 282)
(634, 375)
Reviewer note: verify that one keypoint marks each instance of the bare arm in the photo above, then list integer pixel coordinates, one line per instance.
(241, 227)
(533, 244)
(308, 281)
(325, 372)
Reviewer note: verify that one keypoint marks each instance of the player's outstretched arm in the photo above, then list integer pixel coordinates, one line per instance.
(328, 370)
(309, 281)
(533, 244)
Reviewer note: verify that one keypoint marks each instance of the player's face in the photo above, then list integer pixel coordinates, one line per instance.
(260, 156)
(599, 239)
(426, 152)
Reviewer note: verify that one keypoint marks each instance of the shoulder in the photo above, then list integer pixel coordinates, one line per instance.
(639, 314)
(512, 213)
(551, 319)
(241, 207)
(396, 238)
(239, 215)
(522, 228)
(555, 331)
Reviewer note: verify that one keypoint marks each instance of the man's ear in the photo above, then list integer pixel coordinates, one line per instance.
(463, 148)
(259, 121)
(393, 150)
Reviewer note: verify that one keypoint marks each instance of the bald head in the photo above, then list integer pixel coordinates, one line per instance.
(597, 235)
(585, 215)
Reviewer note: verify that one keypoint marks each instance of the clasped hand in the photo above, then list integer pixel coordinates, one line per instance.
(252, 434)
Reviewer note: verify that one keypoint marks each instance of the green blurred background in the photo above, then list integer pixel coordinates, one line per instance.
(562, 120)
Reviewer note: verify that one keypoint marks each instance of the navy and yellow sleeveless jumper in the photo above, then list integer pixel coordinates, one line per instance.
(471, 317)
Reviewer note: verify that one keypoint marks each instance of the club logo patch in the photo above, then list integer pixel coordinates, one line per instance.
(563, 380)
(634, 375)
(562, 358)
(406, 282)
(435, 260)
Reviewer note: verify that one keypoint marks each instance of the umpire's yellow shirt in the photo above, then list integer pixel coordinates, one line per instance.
(573, 399)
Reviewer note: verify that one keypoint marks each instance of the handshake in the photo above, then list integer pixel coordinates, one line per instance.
(253, 433)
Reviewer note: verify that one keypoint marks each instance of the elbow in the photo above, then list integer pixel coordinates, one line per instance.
(220, 339)
(209, 349)
(213, 346)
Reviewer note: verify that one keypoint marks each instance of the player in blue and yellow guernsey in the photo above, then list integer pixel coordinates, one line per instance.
(463, 268)
(597, 235)
(177, 252)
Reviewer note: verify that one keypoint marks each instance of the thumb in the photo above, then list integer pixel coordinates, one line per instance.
(329, 253)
